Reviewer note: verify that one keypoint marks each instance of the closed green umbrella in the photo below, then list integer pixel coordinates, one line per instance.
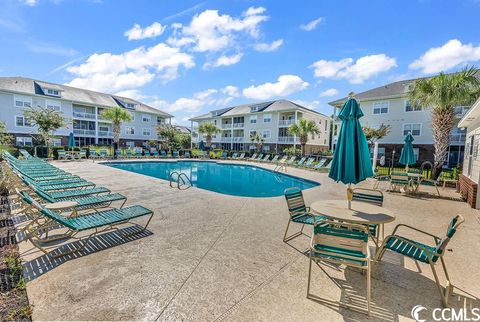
(351, 160)
(408, 157)
(71, 141)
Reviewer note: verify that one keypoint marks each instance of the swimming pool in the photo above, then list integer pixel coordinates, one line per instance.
(227, 178)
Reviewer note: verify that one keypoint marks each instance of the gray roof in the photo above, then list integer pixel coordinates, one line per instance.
(392, 90)
(271, 106)
(30, 86)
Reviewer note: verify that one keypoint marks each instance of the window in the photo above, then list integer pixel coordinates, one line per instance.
(266, 148)
(267, 118)
(130, 130)
(54, 105)
(22, 121)
(469, 150)
(133, 116)
(326, 126)
(51, 91)
(380, 108)
(146, 118)
(266, 134)
(409, 107)
(23, 101)
(380, 153)
(146, 131)
(130, 144)
(253, 133)
(414, 128)
(253, 119)
(103, 129)
(57, 142)
(24, 141)
(129, 105)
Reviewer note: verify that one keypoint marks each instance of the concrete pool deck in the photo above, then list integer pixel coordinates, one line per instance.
(211, 257)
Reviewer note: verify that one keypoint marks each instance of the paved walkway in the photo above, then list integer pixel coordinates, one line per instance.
(214, 257)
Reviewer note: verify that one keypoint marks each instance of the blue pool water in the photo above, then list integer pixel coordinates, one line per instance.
(231, 179)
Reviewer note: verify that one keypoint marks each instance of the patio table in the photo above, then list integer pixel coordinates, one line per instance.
(360, 213)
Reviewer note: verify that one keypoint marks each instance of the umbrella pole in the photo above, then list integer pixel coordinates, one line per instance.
(349, 195)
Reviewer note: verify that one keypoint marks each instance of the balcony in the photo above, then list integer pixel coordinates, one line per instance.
(458, 139)
(84, 132)
(238, 139)
(286, 122)
(226, 139)
(238, 125)
(460, 111)
(105, 134)
(226, 126)
(288, 139)
(81, 115)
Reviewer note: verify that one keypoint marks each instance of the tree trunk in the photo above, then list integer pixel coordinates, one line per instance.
(116, 138)
(442, 124)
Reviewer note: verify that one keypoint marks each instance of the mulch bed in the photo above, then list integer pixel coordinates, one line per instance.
(13, 295)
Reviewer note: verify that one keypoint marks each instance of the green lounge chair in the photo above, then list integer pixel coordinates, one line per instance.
(275, 159)
(298, 212)
(425, 253)
(282, 160)
(119, 154)
(175, 154)
(154, 153)
(47, 186)
(99, 222)
(265, 158)
(242, 156)
(224, 155)
(320, 164)
(300, 162)
(253, 157)
(94, 154)
(78, 193)
(163, 154)
(82, 154)
(346, 245)
(308, 163)
(103, 154)
(25, 154)
(234, 155)
(291, 160)
(259, 157)
(187, 154)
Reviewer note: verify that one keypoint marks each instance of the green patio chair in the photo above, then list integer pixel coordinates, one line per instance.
(321, 164)
(94, 154)
(224, 155)
(274, 159)
(398, 180)
(62, 155)
(103, 154)
(242, 156)
(373, 196)
(308, 163)
(82, 154)
(291, 160)
(253, 157)
(163, 154)
(425, 253)
(234, 155)
(187, 155)
(175, 154)
(98, 222)
(431, 183)
(300, 162)
(298, 212)
(283, 160)
(265, 158)
(259, 157)
(341, 245)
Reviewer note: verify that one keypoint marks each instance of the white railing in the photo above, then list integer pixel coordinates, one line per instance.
(226, 126)
(238, 139)
(458, 138)
(238, 125)
(286, 122)
(105, 133)
(288, 139)
(226, 139)
(84, 132)
(82, 115)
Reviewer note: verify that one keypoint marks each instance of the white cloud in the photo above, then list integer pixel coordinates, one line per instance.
(285, 85)
(29, 3)
(210, 31)
(132, 93)
(192, 104)
(224, 61)
(451, 54)
(355, 72)
(137, 32)
(308, 104)
(265, 47)
(312, 24)
(329, 92)
(131, 69)
(231, 90)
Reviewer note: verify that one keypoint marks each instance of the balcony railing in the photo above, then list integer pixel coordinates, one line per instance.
(288, 139)
(461, 110)
(458, 138)
(238, 139)
(226, 126)
(82, 115)
(84, 132)
(226, 139)
(105, 133)
(286, 122)
(238, 125)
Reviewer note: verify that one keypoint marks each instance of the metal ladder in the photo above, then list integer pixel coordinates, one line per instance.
(180, 180)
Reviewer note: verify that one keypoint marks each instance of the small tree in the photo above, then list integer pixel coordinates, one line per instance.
(302, 129)
(183, 140)
(117, 115)
(5, 138)
(258, 141)
(442, 93)
(48, 121)
(167, 134)
(373, 135)
(209, 129)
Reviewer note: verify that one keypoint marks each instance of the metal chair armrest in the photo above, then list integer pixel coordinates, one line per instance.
(436, 238)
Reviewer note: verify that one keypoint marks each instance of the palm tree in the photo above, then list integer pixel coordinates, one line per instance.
(257, 140)
(209, 129)
(302, 129)
(442, 93)
(117, 115)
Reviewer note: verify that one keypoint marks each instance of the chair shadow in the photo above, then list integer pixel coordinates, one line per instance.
(395, 291)
(43, 264)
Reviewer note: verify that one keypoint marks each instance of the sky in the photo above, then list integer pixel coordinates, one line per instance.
(190, 57)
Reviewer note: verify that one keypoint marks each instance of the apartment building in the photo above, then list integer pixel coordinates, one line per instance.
(82, 110)
(270, 120)
(389, 105)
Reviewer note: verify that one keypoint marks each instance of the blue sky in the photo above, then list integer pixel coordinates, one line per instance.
(190, 57)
